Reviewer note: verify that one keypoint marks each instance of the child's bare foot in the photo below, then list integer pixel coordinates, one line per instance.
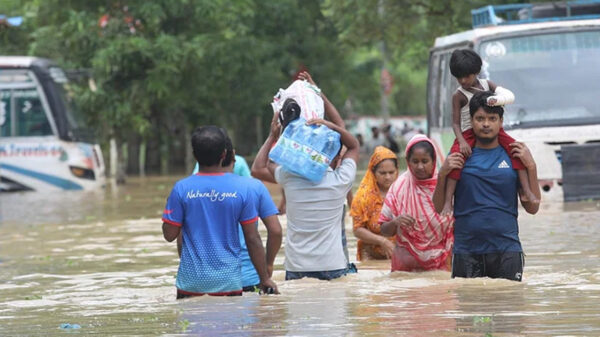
(447, 210)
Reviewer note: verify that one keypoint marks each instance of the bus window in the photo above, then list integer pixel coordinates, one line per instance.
(554, 76)
(441, 89)
(31, 118)
(22, 113)
(5, 115)
(433, 89)
(447, 87)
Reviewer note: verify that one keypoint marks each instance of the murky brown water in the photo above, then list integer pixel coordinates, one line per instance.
(99, 260)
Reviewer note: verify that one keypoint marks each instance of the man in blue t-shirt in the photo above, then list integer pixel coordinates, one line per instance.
(486, 231)
(207, 208)
(267, 211)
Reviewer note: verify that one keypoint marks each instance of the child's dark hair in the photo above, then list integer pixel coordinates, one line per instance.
(425, 145)
(289, 111)
(229, 155)
(464, 62)
(479, 100)
(208, 144)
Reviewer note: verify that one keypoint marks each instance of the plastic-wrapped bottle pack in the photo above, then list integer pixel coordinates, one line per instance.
(306, 150)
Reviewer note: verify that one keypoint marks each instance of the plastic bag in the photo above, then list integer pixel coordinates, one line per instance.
(306, 95)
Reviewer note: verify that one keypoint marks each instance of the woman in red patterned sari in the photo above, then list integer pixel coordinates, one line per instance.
(423, 238)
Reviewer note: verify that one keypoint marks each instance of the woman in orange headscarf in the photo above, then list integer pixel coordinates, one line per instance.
(366, 205)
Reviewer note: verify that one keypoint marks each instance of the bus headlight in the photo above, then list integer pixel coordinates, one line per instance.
(82, 173)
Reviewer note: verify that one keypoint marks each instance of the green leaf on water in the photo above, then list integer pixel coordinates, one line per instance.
(33, 297)
(184, 325)
(481, 320)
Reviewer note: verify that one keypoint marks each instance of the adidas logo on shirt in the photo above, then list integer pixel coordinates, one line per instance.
(503, 164)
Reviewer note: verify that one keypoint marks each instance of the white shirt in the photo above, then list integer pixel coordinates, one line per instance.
(465, 115)
(314, 214)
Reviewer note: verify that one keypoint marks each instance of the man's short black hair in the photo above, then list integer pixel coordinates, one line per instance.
(464, 62)
(208, 144)
(479, 100)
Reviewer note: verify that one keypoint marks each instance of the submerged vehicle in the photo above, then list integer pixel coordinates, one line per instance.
(548, 55)
(43, 145)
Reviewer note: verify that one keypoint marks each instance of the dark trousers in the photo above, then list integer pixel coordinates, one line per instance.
(321, 275)
(508, 265)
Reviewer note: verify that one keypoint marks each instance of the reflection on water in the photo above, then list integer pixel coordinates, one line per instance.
(98, 259)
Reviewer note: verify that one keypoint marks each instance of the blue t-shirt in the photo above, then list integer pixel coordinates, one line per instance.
(485, 204)
(209, 208)
(266, 207)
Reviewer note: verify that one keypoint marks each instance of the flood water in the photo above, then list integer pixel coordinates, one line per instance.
(98, 260)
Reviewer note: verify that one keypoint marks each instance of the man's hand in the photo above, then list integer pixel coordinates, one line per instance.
(275, 126)
(521, 151)
(319, 121)
(465, 149)
(305, 76)
(270, 270)
(268, 287)
(453, 161)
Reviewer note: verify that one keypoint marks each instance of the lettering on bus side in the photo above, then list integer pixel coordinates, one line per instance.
(30, 150)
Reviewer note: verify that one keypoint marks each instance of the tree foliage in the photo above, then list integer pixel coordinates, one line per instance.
(162, 67)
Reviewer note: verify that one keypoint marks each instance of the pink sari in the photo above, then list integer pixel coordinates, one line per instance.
(427, 244)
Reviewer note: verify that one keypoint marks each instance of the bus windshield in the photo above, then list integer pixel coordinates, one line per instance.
(22, 113)
(75, 121)
(554, 77)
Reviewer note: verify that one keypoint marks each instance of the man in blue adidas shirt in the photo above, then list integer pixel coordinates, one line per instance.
(207, 207)
(486, 231)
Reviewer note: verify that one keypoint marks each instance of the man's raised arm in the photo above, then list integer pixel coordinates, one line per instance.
(453, 161)
(331, 112)
(262, 168)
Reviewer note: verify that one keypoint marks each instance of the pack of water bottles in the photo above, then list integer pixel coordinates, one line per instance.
(306, 150)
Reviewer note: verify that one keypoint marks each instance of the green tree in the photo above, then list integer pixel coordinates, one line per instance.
(408, 28)
(162, 67)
